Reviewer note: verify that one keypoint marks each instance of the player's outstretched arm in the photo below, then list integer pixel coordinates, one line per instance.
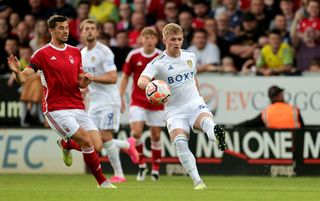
(84, 80)
(107, 78)
(143, 82)
(15, 66)
(122, 90)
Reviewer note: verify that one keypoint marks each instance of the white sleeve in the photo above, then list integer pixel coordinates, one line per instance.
(108, 62)
(213, 55)
(150, 71)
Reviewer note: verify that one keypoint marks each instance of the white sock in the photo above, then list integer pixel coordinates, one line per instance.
(207, 126)
(114, 158)
(186, 157)
(121, 144)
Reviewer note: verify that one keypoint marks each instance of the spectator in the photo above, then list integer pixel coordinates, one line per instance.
(4, 31)
(306, 49)
(207, 54)
(286, 7)
(280, 23)
(5, 9)
(185, 21)
(41, 36)
(10, 47)
(227, 65)
(122, 49)
(63, 8)
(315, 65)
(243, 47)
(171, 11)
(31, 93)
(201, 12)
(230, 7)
(124, 14)
(137, 24)
(109, 11)
(313, 20)
(278, 115)
(210, 25)
(263, 17)
(30, 21)
(276, 57)
(83, 9)
(14, 20)
(23, 33)
(36, 9)
(110, 27)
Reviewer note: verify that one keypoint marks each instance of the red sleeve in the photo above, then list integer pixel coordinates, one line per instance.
(35, 62)
(127, 68)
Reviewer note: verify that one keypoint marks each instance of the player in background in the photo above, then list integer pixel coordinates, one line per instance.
(104, 104)
(185, 107)
(60, 68)
(142, 112)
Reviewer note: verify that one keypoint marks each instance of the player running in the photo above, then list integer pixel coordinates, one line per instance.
(104, 105)
(142, 112)
(60, 68)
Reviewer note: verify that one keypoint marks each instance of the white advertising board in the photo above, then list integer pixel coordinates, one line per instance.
(34, 151)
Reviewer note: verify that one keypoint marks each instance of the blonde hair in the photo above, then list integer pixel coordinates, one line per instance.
(171, 28)
(88, 21)
(149, 31)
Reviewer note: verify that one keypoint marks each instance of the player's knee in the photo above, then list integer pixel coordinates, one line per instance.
(85, 140)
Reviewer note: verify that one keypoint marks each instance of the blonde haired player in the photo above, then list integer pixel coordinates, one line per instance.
(104, 105)
(142, 112)
(185, 107)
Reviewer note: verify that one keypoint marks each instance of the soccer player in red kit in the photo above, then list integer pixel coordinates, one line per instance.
(60, 68)
(142, 112)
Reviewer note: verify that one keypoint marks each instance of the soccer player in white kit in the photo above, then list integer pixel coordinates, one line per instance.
(185, 107)
(104, 98)
(142, 112)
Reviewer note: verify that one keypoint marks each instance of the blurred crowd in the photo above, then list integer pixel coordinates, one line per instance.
(241, 37)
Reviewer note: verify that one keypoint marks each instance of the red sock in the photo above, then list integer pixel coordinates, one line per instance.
(70, 144)
(156, 157)
(91, 159)
(142, 159)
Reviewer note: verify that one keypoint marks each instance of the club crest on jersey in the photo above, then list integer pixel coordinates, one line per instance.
(93, 59)
(71, 59)
(189, 62)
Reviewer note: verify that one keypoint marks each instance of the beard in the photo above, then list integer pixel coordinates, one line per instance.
(90, 38)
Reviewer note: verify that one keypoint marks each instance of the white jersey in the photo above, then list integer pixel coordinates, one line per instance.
(179, 74)
(98, 61)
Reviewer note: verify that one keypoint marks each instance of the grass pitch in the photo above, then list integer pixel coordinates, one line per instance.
(16, 187)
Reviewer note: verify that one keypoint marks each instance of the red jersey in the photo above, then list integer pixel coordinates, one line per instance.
(59, 71)
(305, 23)
(136, 62)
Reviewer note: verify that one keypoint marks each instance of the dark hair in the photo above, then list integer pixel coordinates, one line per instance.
(52, 21)
(200, 31)
(86, 2)
(275, 31)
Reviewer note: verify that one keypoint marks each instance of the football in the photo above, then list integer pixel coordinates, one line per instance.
(158, 92)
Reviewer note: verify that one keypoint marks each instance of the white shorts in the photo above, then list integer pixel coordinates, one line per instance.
(67, 122)
(187, 118)
(151, 117)
(106, 119)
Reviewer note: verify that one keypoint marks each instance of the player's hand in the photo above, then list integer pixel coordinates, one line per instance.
(85, 79)
(123, 105)
(13, 63)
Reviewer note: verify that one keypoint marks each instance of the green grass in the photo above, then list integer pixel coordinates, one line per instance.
(16, 187)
